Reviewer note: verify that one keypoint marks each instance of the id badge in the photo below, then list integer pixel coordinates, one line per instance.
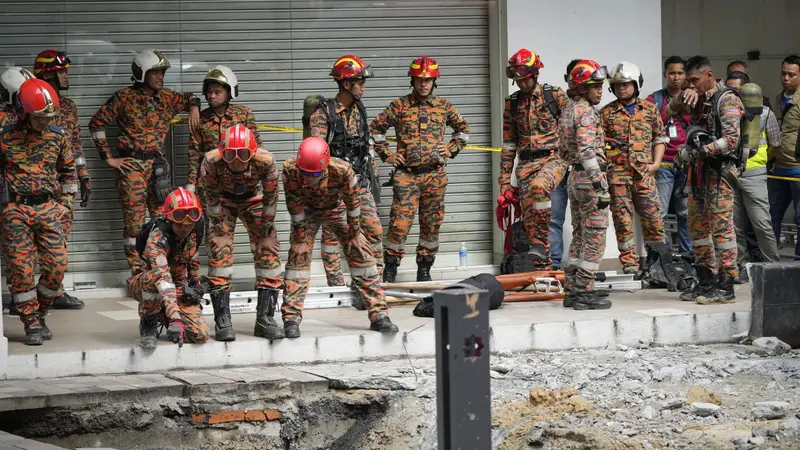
(672, 131)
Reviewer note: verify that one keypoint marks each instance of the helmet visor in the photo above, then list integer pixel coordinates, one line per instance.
(600, 75)
(242, 154)
(185, 215)
(312, 174)
(519, 72)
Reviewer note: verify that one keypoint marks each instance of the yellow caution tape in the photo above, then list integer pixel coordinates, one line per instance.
(179, 120)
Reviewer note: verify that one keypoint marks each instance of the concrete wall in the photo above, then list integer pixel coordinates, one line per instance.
(608, 32)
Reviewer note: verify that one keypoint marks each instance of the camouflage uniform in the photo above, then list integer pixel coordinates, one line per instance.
(581, 144)
(159, 287)
(41, 178)
(421, 182)
(711, 218)
(251, 196)
(533, 135)
(370, 221)
(335, 202)
(144, 121)
(632, 187)
(8, 116)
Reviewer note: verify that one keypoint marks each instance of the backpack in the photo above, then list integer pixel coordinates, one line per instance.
(519, 260)
(663, 269)
(166, 228)
(549, 102)
(481, 281)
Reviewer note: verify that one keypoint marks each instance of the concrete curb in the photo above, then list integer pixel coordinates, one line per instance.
(660, 330)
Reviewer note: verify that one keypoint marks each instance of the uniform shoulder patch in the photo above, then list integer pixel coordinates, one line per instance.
(11, 127)
(161, 260)
(213, 156)
(56, 129)
(586, 120)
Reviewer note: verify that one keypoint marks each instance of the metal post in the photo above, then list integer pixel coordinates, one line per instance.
(462, 369)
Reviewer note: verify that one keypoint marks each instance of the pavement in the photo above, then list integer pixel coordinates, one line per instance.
(103, 337)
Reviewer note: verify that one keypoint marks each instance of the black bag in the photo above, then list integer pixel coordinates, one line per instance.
(481, 281)
(663, 269)
(519, 260)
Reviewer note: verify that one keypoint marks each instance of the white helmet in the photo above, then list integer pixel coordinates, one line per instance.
(10, 81)
(222, 75)
(147, 60)
(624, 72)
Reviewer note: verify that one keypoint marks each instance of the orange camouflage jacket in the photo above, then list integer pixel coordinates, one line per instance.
(68, 121)
(172, 267)
(631, 138)
(581, 139)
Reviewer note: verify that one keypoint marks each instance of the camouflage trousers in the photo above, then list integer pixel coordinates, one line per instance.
(363, 271)
(411, 192)
(639, 195)
(133, 191)
(220, 244)
(31, 233)
(142, 287)
(712, 231)
(589, 227)
(370, 224)
(537, 179)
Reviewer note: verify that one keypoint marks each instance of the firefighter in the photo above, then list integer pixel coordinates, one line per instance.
(420, 177)
(52, 66)
(143, 113)
(10, 81)
(342, 121)
(168, 289)
(220, 87)
(240, 180)
(581, 141)
(636, 142)
(714, 155)
(320, 189)
(530, 132)
(37, 172)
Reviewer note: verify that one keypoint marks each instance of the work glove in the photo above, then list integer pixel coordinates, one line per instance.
(175, 332)
(86, 192)
(603, 199)
(162, 184)
(195, 291)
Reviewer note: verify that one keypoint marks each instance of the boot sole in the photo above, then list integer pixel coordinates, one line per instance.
(33, 343)
(224, 338)
(388, 331)
(265, 335)
(585, 307)
(709, 301)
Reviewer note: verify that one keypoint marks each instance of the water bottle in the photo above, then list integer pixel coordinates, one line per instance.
(462, 256)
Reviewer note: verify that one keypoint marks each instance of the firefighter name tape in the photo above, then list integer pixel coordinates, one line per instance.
(298, 130)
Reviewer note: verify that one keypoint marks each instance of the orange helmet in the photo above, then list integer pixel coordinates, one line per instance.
(523, 64)
(424, 67)
(50, 61)
(239, 143)
(350, 67)
(182, 206)
(587, 71)
(38, 98)
(314, 155)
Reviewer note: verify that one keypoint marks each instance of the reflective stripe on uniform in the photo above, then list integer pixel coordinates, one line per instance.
(164, 286)
(379, 137)
(363, 271)
(461, 135)
(703, 242)
(587, 265)
(729, 245)
(354, 212)
(69, 188)
(131, 242)
(268, 272)
(80, 161)
(542, 205)
(296, 218)
(220, 271)
(721, 144)
(330, 248)
(392, 246)
(626, 245)
(295, 274)
(270, 210)
(190, 187)
(214, 210)
(353, 182)
(99, 134)
(22, 297)
(149, 296)
(509, 146)
(590, 164)
(429, 244)
(47, 292)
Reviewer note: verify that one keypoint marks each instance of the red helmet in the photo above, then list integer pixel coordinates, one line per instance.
(182, 206)
(313, 155)
(239, 143)
(424, 67)
(50, 61)
(38, 98)
(350, 67)
(523, 64)
(587, 71)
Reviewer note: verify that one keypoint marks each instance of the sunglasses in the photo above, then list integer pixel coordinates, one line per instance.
(517, 72)
(312, 174)
(180, 215)
(242, 154)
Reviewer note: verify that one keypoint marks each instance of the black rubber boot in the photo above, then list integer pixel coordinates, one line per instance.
(291, 329)
(66, 301)
(266, 326)
(540, 257)
(569, 282)
(383, 325)
(223, 328)
(33, 336)
(721, 292)
(569, 300)
(46, 333)
(701, 286)
(390, 264)
(424, 264)
(742, 278)
(148, 332)
(590, 300)
(12, 309)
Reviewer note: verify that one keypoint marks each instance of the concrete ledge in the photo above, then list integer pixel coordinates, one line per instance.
(663, 329)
